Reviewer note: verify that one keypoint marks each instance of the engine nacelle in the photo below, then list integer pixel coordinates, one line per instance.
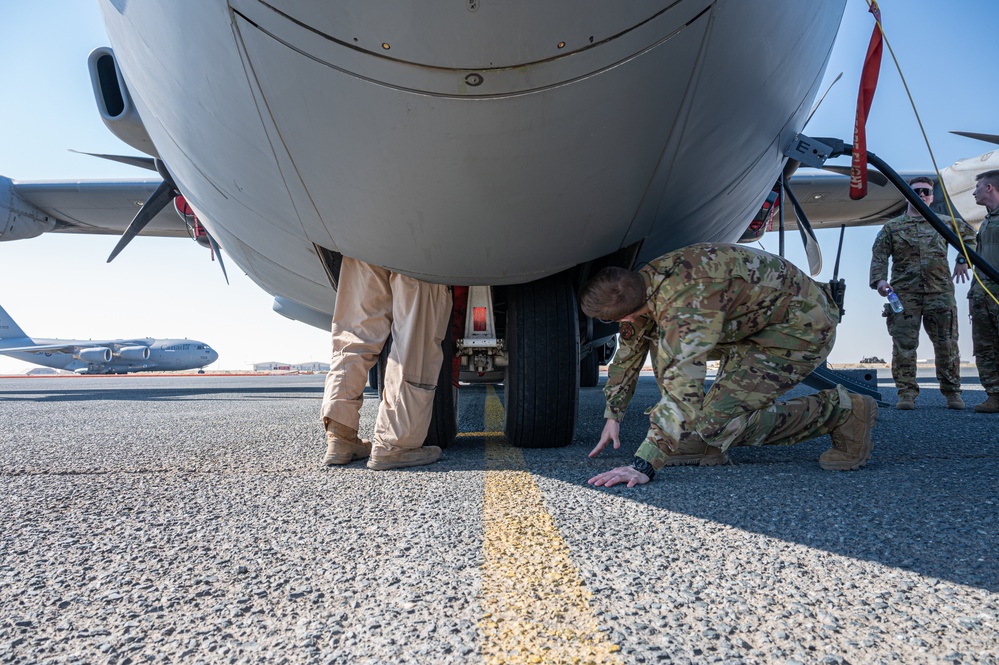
(133, 353)
(97, 354)
(115, 103)
(18, 218)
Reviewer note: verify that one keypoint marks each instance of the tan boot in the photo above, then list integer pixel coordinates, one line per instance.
(991, 405)
(851, 441)
(343, 445)
(693, 452)
(404, 458)
(954, 401)
(906, 403)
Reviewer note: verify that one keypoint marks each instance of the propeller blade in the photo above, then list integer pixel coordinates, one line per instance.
(873, 176)
(218, 252)
(142, 162)
(812, 250)
(158, 200)
(988, 138)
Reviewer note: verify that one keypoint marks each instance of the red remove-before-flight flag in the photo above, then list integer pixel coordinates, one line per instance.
(868, 83)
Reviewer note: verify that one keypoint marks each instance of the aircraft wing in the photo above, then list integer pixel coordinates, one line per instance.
(73, 346)
(98, 206)
(41, 348)
(825, 198)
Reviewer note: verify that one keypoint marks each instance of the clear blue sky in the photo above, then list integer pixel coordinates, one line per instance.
(60, 286)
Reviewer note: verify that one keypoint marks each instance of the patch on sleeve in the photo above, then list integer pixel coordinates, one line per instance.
(627, 330)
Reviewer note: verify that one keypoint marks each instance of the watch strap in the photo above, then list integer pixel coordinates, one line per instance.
(638, 464)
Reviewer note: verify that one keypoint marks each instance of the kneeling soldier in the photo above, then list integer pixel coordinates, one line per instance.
(767, 323)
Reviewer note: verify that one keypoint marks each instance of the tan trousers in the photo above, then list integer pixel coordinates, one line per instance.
(372, 302)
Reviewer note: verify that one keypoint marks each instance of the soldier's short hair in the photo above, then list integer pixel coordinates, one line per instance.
(612, 294)
(990, 178)
(921, 178)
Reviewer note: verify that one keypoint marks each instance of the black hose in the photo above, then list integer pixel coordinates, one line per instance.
(840, 148)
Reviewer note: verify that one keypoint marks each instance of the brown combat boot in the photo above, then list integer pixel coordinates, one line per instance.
(955, 402)
(694, 452)
(906, 403)
(343, 445)
(991, 405)
(404, 458)
(851, 441)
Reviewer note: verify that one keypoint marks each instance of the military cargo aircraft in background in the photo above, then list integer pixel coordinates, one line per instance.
(99, 356)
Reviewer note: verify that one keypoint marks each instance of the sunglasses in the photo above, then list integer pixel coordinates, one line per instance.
(923, 191)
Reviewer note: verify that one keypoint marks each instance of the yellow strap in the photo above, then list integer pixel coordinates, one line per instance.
(926, 140)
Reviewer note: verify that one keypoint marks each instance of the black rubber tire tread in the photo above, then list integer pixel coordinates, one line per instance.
(444, 421)
(589, 369)
(380, 367)
(541, 389)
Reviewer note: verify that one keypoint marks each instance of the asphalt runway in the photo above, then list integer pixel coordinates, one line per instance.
(188, 519)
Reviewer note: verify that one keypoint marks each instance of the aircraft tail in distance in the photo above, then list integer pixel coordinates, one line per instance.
(9, 329)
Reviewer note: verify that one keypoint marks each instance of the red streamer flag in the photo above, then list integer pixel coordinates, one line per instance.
(868, 83)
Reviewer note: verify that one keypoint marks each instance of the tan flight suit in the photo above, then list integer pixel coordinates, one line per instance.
(922, 279)
(372, 302)
(984, 310)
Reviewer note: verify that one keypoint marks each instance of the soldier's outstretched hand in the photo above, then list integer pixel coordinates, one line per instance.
(612, 432)
(622, 474)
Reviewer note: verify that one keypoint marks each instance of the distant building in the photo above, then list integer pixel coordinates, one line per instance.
(312, 367)
(288, 367)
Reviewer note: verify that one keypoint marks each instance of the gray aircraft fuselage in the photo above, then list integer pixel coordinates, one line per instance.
(468, 143)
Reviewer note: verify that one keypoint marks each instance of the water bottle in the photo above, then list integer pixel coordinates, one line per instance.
(896, 304)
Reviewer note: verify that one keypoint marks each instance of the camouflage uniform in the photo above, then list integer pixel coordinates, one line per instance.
(984, 310)
(768, 324)
(921, 278)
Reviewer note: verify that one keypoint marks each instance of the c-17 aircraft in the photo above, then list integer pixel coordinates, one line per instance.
(100, 356)
(515, 147)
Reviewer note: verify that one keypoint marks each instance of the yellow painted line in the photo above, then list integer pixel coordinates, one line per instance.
(481, 434)
(536, 608)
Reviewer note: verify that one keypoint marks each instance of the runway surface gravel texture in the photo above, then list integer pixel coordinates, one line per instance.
(188, 519)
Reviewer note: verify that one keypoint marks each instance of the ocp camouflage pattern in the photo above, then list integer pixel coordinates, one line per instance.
(985, 310)
(918, 256)
(766, 321)
(922, 278)
(937, 314)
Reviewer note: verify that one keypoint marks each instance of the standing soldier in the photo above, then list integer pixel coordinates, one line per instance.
(768, 324)
(984, 310)
(921, 278)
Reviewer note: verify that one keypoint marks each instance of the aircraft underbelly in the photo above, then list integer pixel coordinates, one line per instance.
(533, 174)
(485, 147)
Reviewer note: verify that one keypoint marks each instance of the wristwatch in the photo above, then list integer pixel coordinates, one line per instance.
(962, 260)
(638, 464)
